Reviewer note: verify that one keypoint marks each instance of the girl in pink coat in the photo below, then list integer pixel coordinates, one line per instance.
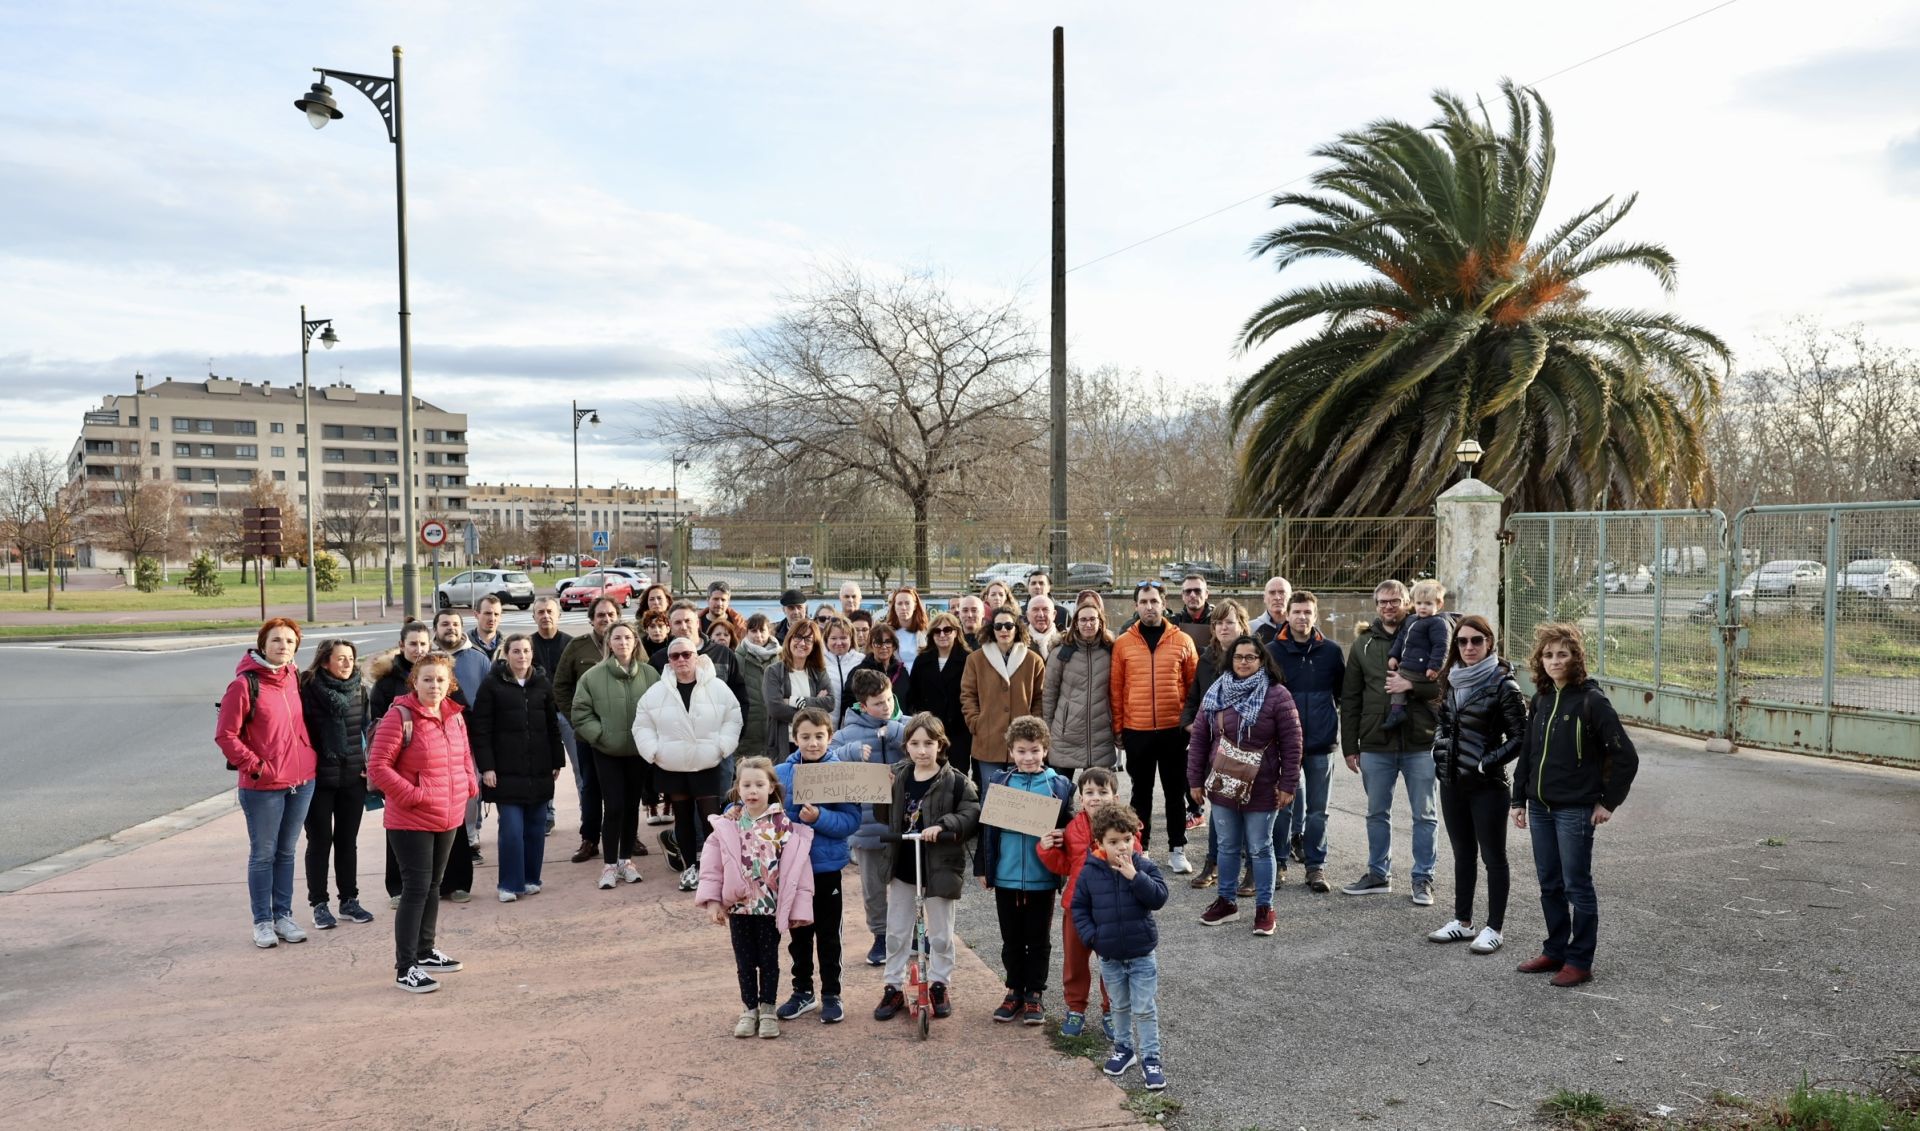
(420, 761)
(755, 875)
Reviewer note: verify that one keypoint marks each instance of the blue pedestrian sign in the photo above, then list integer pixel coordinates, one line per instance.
(599, 541)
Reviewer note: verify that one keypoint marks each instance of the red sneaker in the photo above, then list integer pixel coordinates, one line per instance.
(1263, 921)
(1218, 912)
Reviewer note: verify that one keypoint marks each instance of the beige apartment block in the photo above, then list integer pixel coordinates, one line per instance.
(214, 440)
(635, 518)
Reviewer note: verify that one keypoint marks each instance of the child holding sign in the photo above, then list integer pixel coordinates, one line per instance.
(1008, 861)
(832, 824)
(1113, 906)
(1065, 853)
(755, 877)
(942, 805)
(872, 734)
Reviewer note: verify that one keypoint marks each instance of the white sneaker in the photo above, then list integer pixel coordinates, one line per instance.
(657, 819)
(1177, 863)
(263, 936)
(530, 889)
(507, 896)
(628, 872)
(288, 930)
(609, 876)
(1488, 942)
(1454, 931)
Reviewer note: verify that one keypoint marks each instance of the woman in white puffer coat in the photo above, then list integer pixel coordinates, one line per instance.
(686, 725)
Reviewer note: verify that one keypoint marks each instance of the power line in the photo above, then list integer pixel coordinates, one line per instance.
(1296, 180)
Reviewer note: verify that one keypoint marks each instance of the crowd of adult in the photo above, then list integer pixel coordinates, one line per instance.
(1236, 720)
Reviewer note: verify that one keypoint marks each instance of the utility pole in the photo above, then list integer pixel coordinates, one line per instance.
(1058, 549)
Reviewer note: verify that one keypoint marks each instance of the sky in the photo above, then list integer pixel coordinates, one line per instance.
(602, 196)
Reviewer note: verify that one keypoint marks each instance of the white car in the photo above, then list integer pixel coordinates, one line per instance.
(1886, 578)
(1015, 574)
(799, 569)
(1791, 578)
(1629, 579)
(463, 589)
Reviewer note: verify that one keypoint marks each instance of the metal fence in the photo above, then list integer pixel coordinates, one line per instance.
(1795, 627)
(771, 554)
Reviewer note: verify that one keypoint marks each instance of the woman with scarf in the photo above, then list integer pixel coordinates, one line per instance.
(335, 703)
(1004, 680)
(1244, 757)
(1481, 725)
(756, 652)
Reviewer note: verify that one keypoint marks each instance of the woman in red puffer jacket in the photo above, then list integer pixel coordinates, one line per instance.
(262, 730)
(420, 760)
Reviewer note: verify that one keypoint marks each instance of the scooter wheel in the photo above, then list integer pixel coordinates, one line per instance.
(926, 1021)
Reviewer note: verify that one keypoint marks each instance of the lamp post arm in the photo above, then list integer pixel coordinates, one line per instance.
(379, 91)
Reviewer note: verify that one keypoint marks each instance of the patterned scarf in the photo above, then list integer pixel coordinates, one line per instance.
(1243, 696)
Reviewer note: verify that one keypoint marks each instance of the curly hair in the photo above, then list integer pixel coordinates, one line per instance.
(1557, 632)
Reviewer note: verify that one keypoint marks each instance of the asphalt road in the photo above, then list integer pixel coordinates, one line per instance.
(105, 735)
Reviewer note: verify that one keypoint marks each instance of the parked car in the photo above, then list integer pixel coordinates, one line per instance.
(799, 569)
(1738, 603)
(463, 589)
(1252, 571)
(1628, 579)
(1790, 578)
(1886, 578)
(639, 578)
(627, 563)
(593, 586)
(1087, 575)
(1013, 573)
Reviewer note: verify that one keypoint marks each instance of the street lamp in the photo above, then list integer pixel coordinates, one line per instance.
(309, 327)
(678, 463)
(1468, 453)
(379, 497)
(320, 108)
(591, 416)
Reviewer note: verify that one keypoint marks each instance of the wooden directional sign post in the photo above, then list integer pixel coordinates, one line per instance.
(260, 540)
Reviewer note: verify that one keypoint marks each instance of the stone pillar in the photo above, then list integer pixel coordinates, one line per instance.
(1467, 562)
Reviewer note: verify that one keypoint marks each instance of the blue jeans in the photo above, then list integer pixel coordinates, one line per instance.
(1133, 983)
(523, 841)
(274, 820)
(1306, 818)
(1249, 832)
(1378, 772)
(1563, 857)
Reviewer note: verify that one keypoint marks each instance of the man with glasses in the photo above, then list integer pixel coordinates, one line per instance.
(1382, 756)
(581, 654)
(1273, 621)
(1195, 617)
(1153, 667)
(1315, 671)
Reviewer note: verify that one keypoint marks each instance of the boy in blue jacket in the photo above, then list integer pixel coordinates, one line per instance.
(1113, 904)
(832, 824)
(1023, 886)
(872, 734)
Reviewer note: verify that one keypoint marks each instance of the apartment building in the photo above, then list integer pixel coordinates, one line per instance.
(213, 440)
(633, 517)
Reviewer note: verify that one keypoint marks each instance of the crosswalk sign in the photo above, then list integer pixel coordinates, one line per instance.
(599, 541)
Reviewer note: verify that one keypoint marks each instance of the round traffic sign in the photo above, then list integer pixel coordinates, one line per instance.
(433, 532)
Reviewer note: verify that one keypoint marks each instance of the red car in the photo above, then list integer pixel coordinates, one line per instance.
(590, 588)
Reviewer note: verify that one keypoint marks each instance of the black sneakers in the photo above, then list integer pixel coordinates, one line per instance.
(435, 962)
(892, 1001)
(937, 994)
(1009, 1009)
(416, 981)
(671, 844)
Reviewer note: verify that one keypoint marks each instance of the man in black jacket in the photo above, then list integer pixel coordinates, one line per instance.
(549, 644)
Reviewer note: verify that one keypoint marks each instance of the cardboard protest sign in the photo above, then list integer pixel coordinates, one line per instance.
(827, 783)
(1035, 814)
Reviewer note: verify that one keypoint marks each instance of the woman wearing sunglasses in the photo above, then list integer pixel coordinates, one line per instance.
(934, 686)
(1004, 680)
(1481, 726)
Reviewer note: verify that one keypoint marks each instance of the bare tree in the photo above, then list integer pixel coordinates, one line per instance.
(17, 515)
(51, 509)
(550, 531)
(137, 515)
(897, 382)
(348, 526)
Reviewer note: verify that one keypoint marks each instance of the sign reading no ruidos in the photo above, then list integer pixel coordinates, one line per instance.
(828, 783)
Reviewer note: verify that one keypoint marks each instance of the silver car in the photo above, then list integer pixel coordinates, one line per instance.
(463, 589)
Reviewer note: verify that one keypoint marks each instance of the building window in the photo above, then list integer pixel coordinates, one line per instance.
(279, 477)
(183, 451)
(153, 424)
(183, 474)
(433, 435)
(333, 455)
(245, 428)
(369, 432)
(156, 473)
(277, 427)
(203, 425)
(209, 475)
(245, 475)
(332, 432)
(206, 451)
(389, 433)
(156, 447)
(246, 451)
(209, 499)
(182, 424)
(278, 451)
(303, 477)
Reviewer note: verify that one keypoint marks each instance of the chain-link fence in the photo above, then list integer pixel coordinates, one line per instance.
(1106, 551)
(1793, 626)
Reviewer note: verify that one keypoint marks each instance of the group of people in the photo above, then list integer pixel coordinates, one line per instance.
(705, 728)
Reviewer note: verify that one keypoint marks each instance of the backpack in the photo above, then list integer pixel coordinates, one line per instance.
(253, 697)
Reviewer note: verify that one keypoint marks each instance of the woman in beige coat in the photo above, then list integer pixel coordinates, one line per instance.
(1077, 698)
(1002, 681)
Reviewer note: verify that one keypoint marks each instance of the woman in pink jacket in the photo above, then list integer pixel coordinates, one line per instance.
(263, 732)
(420, 761)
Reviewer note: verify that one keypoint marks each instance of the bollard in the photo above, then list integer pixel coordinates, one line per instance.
(356, 606)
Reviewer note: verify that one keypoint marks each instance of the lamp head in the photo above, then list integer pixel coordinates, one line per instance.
(329, 339)
(1468, 453)
(319, 106)
(594, 420)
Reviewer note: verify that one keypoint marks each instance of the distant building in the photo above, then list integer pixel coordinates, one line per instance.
(213, 440)
(635, 518)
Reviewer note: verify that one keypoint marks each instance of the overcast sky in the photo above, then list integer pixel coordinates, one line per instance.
(601, 193)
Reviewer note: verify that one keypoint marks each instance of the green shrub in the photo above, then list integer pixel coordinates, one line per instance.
(326, 572)
(203, 576)
(146, 575)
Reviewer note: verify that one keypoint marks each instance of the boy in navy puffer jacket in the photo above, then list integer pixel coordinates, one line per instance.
(1113, 905)
(832, 824)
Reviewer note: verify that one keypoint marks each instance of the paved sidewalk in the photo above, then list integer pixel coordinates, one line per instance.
(329, 611)
(133, 996)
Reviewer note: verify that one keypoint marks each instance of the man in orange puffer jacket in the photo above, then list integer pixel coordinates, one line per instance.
(1153, 667)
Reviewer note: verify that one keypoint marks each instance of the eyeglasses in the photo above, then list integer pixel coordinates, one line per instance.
(1471, 641)
(1195, 592)
(1004, 626)
(678, 656)
(1246, 657)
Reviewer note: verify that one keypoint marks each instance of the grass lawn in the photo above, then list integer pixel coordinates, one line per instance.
(284, 586)
(156, 628)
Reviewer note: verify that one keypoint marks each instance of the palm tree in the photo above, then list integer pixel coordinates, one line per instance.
(1468, 325)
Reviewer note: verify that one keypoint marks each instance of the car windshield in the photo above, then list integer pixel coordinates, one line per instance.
(592, 579)
(1868, 565)
(519, 577)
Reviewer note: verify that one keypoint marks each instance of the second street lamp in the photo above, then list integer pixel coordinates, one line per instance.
(379, 497)
(591, 416)
(320, 108)
(309, 327)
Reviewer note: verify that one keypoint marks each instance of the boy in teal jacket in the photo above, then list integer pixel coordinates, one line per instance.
(1024, 887)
